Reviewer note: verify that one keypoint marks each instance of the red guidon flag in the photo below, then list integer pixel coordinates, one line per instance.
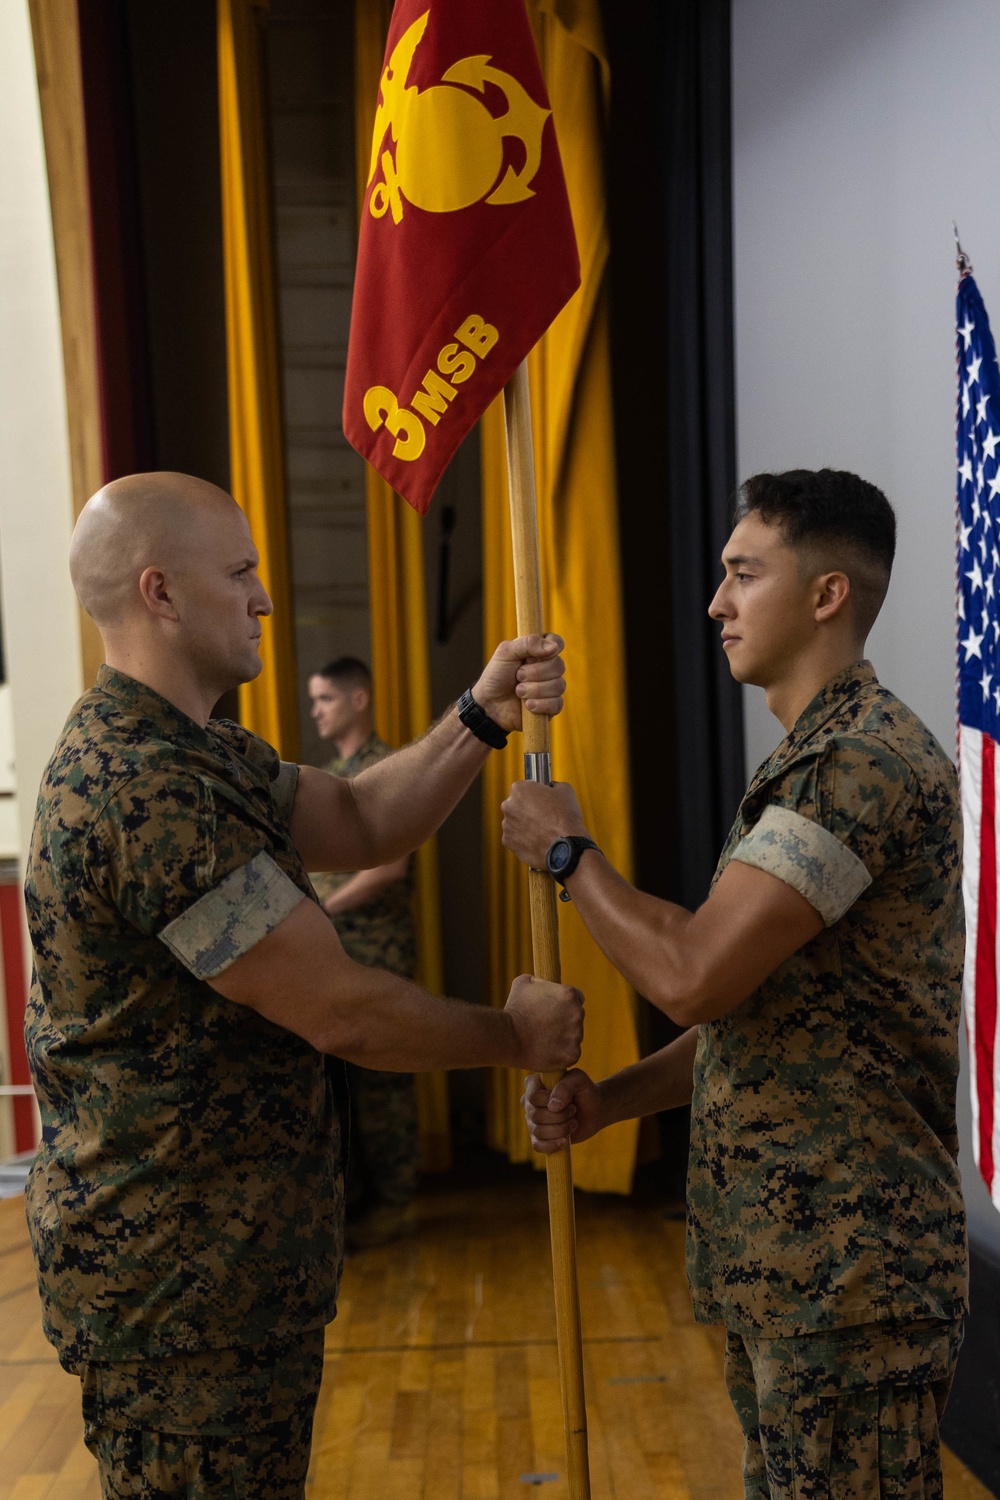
(466, 249)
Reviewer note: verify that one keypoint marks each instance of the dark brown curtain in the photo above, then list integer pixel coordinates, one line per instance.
(672, 340)
(669, 176)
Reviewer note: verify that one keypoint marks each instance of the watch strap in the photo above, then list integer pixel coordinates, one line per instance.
(579, 843)
(479, 723)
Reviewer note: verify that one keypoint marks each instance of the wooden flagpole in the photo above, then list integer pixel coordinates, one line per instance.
(545, 932)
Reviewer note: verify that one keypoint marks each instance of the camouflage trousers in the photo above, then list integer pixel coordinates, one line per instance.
(385, 1146)
(225, 1424)
(846, 1415)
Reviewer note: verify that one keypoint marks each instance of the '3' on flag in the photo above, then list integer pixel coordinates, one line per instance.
(978, 496)
(466, 250)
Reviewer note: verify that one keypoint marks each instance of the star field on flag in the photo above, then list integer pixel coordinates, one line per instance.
(978, 639)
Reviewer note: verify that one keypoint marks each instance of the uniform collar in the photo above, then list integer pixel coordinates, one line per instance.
(831, 696)
(368, 744)
(144, 701)
(818, 711)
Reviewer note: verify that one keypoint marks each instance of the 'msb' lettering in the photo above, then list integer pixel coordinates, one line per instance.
(478, 335)
(433, 396)
(431, 400)
(458, 364)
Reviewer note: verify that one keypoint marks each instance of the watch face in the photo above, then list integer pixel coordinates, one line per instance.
(559, 856)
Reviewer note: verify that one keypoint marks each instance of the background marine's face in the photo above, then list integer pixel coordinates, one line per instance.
(335, 708)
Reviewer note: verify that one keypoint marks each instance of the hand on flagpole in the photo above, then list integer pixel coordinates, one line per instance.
(547, 1020)
(534, 816)
(528, 672)
(572, 1112)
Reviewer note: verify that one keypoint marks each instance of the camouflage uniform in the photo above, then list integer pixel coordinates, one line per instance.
(825, 1211)
(851, 1414)
(385, 1145)
(226, 1423)
(186, 1202)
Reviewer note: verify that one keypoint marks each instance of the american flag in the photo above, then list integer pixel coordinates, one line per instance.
(978, 553)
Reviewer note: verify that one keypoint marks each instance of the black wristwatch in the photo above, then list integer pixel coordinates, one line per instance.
(479, 723)
(563, 857)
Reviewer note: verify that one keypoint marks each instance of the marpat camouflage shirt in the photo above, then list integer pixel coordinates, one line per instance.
(188, 1191)
(380, 933)
(823, 1186)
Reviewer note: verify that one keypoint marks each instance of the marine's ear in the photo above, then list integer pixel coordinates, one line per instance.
(832, 592)
(156, 593)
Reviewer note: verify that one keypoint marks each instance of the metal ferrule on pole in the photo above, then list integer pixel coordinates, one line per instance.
(538, 767)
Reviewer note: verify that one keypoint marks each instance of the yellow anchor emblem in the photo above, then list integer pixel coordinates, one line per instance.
(449, 148)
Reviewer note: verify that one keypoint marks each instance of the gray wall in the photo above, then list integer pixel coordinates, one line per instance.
(861, 128)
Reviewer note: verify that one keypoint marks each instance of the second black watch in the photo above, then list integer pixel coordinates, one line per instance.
(563, 857)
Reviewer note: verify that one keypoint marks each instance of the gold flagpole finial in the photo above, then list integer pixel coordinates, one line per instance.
(961, 259)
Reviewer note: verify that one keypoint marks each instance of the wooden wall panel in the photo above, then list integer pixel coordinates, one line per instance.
(55, 30)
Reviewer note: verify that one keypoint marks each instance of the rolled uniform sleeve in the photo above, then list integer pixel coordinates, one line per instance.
(232, 918)
(284, 787)
(181, 862)
(833, 822)
(807, 857)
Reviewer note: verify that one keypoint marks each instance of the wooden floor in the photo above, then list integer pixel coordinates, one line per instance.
(441, 1380)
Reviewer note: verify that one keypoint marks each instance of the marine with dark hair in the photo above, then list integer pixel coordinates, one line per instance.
(820, 987)
(347, 671)
(825, 514)
(372, 911)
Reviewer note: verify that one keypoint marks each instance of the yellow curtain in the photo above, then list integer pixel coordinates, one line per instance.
(397, 599)
(574, 464)
(268, 705)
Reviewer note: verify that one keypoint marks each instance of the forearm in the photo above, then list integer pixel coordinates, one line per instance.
(363, 888)
(393, 807)
(394, 1025)
(695, 966)
(299, 977)
(404, 799)
(645, 938)
(662, 1081)
(386, 812)
(577, 1108)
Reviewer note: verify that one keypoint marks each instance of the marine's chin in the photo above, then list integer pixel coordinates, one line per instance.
(252, 667)
(730, 650)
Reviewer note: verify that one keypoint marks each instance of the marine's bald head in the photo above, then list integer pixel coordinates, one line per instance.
(143, 520)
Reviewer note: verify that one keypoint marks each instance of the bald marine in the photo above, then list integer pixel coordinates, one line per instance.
(166, 568)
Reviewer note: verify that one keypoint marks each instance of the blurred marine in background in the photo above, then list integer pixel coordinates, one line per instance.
(372, 911)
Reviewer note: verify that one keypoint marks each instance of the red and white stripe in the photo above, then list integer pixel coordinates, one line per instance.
(980, 769)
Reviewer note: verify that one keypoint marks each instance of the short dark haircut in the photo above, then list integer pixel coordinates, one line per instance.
(347, 671)
(837, 518)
